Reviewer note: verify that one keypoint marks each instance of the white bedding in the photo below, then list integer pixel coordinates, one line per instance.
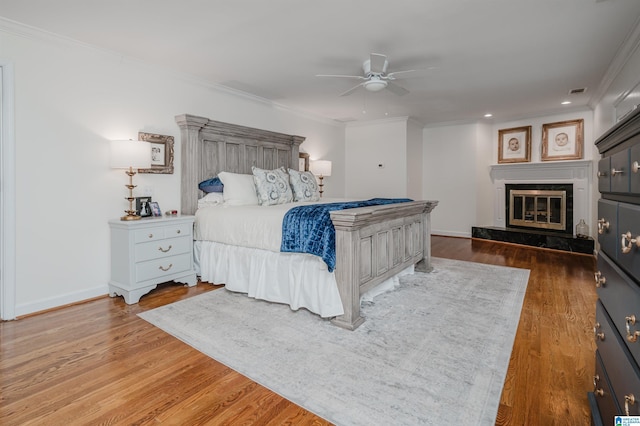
(246, 226)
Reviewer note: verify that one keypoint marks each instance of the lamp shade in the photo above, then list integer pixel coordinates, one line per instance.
(321, 167)
(134, 154)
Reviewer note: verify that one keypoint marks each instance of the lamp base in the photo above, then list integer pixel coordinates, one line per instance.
(130, 215)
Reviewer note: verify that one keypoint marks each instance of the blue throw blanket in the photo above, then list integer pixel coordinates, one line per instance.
(308, 229)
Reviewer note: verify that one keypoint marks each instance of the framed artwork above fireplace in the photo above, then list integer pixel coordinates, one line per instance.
(514, 145)
(562, 140)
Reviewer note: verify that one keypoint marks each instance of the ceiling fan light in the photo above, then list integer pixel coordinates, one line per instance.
(375, 85)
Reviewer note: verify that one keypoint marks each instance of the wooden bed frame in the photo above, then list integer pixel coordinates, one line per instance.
(372, 243)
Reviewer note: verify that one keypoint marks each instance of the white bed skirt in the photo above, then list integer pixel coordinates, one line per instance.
(297, 279)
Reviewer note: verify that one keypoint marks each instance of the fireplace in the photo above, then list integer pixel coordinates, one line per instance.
(547, 207)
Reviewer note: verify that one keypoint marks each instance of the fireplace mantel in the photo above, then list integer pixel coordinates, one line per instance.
(577, 173)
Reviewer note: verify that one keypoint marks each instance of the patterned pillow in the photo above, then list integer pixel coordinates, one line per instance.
(305, 187)
(272, 186)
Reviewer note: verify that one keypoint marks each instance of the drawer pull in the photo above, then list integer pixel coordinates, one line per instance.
(603, 225)
(617, 172)
(165, 269)
(178, 231)
(627, 242)
(635, 167)
(628, 400)
(598, 391)
(163, 250)
(631, 320)
(150, 235)
(602, 174)
(596, 335)
(600, 280)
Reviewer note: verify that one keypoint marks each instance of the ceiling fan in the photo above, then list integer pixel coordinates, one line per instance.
(375, 76)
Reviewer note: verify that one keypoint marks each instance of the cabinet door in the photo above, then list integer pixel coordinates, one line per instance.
(620, 172)
(634, 160)
(604, 182)
(607, 226)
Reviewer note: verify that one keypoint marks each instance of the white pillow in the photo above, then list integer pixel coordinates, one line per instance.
(211, 199)
(239, 190)
(305, 187)
(272, 186)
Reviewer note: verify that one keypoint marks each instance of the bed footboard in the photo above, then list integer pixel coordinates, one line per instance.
(375, 243)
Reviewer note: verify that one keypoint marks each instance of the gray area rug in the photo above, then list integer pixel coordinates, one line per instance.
(434, 351)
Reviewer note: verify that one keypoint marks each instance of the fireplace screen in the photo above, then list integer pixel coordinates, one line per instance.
(538, 209)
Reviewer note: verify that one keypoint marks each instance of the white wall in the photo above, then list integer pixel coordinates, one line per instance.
(449, 173)
(414, 160)
(369, 144)
(70, 100)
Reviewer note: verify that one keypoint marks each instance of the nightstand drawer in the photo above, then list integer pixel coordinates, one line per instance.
(163, 267)
(162, 248)
(162, 232)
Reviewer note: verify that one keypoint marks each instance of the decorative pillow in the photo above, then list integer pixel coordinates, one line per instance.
(305, 187)
(211, 185)
(211, 199)
(239, 189)
(272, 186)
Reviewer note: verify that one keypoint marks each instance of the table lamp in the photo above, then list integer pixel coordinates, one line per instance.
(130, 155)
(321, 168)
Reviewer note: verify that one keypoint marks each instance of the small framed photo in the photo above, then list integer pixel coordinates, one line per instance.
(155, 209)
(161, 153)
(514, 145)
(143, 209)
(562, 140)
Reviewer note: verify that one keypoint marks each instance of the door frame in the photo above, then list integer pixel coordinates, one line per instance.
(7, 194)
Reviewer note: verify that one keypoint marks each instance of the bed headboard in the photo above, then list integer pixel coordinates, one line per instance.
(209, 147)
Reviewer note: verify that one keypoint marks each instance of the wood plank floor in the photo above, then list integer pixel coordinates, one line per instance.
(97, 363)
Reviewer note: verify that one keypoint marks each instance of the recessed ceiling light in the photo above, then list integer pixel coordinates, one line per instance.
(488, 115)
(566, 102)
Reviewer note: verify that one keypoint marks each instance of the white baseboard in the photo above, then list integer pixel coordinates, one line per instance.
(60, 300)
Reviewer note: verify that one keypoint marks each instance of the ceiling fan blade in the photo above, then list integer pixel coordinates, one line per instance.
(394, 88)
(392, 75)
(378, 62)
(350, 91)
(341, 76)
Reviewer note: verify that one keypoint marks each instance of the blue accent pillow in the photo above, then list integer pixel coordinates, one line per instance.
(211, 185)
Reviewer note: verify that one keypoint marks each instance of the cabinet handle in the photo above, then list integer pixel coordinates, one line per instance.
(178, 231)
(598, 391)
(602, 174)
(616, 172)
(629, 321)
(628, 400)
(596, 335)
(165, 269)
(600, 280)
(635, 167)
(150, 235)
(163, 250)
(627, 242)
(603, 225)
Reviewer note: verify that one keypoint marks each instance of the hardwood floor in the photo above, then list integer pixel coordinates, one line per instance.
(98, 363)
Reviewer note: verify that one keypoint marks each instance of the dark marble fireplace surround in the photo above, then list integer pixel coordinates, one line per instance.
(552, 239)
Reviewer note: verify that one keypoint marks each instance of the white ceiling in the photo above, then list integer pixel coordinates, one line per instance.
(512, 58)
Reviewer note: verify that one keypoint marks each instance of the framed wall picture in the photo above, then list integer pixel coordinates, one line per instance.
(155, 208)
(143, 208)
(303, 162)
(514, 145)
(161, 153)
(562, 140)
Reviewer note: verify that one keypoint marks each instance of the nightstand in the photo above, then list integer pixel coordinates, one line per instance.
(150, 251)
